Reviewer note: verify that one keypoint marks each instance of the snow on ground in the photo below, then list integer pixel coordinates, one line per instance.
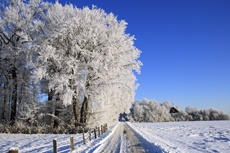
(185, 137)
(43, 143)
(200, 136)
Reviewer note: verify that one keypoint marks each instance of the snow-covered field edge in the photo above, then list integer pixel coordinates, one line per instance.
(192, 136)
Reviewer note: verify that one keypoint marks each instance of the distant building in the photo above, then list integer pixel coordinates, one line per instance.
(173, 110)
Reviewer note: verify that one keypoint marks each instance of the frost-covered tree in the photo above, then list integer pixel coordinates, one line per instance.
(17, 34)
(57, 60)
(150, 111)
(88, 59)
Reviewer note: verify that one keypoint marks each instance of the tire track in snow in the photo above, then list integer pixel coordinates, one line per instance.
(115, 143)
(126, 140)
(135, 145)
(149, 147)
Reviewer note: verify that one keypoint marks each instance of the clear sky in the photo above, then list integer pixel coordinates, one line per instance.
(185, 48)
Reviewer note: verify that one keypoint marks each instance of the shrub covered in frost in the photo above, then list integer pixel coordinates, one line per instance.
(150, 111)
(23, 127)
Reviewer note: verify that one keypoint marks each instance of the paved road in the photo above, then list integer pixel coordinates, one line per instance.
(135, 145)
(123, 140)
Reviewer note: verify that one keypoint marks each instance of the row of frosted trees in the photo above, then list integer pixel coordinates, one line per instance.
(153, 111)
(80, 60)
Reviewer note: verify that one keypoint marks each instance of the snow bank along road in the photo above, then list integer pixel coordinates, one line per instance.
(174, 137)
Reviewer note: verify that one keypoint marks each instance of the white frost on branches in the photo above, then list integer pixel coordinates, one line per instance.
(87, 51)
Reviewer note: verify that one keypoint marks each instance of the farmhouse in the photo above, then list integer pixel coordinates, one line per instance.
(173, 110)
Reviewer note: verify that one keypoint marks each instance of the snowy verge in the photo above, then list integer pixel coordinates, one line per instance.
(101, 144)
(96, 144)
(43, 143)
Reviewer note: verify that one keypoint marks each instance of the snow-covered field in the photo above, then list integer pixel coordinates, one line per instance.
(202, 136)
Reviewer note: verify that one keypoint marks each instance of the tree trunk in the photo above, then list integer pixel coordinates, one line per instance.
(6, 87)
(8, 107)
(84, 110)
(74, 101)
(22, 89)
(50, 107)
(56, 122)
(14, 96)
(75, 110)
(84, 107)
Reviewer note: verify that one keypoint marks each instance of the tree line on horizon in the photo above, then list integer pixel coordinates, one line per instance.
(153, 111)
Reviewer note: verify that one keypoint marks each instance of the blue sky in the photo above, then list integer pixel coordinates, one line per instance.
(185, 48)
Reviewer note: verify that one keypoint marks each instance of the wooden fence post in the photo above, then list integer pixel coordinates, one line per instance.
(55, 145)
(89, 134)
(98, 131)
(10, 129)
(13, 150)
(95, 133)
(72, 143)
(102, 129)
(83, 137)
